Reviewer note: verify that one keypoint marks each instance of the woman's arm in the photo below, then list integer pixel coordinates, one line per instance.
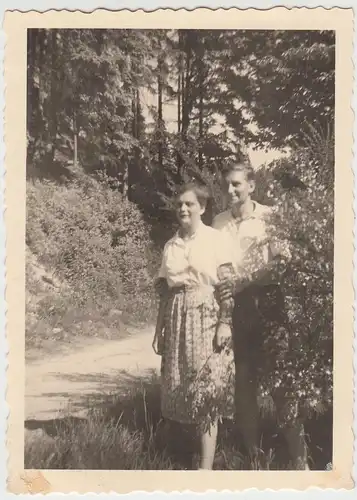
(161, 289)
(226, 303)
(157, 342)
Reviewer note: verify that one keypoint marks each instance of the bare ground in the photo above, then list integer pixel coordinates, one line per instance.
(72, 382)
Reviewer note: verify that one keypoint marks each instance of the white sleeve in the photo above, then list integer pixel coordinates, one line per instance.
(225, 249)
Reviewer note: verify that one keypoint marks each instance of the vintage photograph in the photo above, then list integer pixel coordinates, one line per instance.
(179, 249)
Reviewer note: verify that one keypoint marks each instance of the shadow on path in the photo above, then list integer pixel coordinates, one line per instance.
(133, 403)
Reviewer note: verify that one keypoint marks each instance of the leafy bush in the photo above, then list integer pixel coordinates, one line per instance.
(303, 193)
(96, 243)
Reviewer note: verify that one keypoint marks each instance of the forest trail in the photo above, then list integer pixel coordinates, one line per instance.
(69, 384)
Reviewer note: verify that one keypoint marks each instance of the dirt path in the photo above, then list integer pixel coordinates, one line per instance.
(71, 382)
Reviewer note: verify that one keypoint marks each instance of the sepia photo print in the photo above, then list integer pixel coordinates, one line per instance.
(187, 293)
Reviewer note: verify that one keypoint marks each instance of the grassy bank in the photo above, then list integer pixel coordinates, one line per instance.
(126, 432)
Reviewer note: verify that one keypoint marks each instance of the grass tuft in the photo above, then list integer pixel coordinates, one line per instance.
(126, 432)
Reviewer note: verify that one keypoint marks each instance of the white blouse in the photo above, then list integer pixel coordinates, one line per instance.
(194, 261)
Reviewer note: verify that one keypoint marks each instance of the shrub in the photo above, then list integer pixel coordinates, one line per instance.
(95, 241)
(303, 193)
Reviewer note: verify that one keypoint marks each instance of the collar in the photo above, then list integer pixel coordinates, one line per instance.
(257, 212)
(178, 239)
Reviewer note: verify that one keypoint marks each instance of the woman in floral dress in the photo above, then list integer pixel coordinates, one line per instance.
(193, 332)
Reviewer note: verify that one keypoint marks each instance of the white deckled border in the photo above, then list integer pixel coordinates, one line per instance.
(15, 26)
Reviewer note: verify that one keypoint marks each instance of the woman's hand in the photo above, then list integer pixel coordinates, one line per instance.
(157, 343)
(161, 287)
(223, 336)
(225, 289)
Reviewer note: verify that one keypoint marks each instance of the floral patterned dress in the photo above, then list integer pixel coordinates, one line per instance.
(197, 381)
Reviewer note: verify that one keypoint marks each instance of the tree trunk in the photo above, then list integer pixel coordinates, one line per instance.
(75, 140)
(186, 91)
(36, 91)
(185, 94)
(53, 118)
(32, 90)
(137, 112)
(129, 129)
(31, 61)
(179, 87)
(41, 79)
(200, 112)
(132, 165)
(134, 118)
(179, 104)
(160, 121)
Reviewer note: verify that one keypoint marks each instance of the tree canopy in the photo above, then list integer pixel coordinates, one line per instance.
(230, 89)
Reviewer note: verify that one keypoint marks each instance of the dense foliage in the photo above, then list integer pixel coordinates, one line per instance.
(96, 244)
(305, 220)
(98, 131)
(88, 90)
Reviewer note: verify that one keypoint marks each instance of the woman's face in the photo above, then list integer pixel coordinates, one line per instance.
(238, 187)
(188, 209)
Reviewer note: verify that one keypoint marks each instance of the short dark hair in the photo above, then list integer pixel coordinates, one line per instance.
(239, 167)
(201, 191)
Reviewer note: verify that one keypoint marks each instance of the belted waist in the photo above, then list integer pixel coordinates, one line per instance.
(192, 288)
(193, 295)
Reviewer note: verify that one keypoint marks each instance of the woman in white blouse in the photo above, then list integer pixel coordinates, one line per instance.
(193, 331)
